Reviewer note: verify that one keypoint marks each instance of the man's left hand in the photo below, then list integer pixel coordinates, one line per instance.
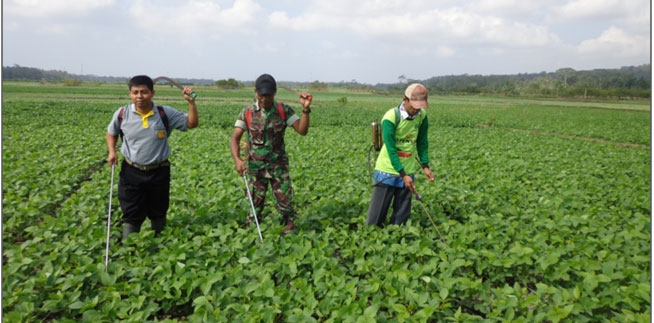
(187, 94)
(430, 175)
(305, 100)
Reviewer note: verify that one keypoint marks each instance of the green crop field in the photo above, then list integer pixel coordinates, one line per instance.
(544, 207)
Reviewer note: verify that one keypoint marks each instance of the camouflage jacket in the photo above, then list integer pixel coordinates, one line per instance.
(266, 131)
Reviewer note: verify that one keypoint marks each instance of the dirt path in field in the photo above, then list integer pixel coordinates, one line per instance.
(561, 135)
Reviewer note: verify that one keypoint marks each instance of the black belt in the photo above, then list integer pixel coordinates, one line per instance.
(147, 167)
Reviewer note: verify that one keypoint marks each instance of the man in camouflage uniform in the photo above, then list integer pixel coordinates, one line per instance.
(265, 122)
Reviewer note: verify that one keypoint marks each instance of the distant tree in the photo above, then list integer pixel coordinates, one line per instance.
(565, 73)
(72, 82)
(542, 86)
(509, 89)
(229, 84)
(318, 86)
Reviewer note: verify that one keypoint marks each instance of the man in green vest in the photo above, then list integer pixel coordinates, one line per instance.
(404, 130)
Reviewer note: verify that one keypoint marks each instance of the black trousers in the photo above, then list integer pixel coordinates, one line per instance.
(144, 194)
(382, 195)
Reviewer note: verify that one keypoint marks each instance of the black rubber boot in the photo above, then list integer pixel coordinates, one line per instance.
(158, 225)
(129, 229)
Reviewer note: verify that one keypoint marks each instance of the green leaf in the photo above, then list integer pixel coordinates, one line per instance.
(243, 260)
(458, 263)
(92, 315)
(603, 278)
(558, 313)
(77, 305)
(107, 279)
(443, 293)
(206, 285)
(400, 310)
(425, 313)
(371, 310)
(590, 281)
(200, 300)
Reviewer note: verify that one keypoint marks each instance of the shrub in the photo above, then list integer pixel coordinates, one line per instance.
(72, 82)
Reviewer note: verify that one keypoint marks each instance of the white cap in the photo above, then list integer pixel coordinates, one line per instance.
(417, 94)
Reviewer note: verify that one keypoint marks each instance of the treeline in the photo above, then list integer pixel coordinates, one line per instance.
(22, 73)
(623, 83)
(626, 82)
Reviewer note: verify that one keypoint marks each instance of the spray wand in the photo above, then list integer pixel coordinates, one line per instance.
(243, 150)
(419, 198)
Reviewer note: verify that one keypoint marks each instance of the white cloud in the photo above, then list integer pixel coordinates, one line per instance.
(197, 16)
(510, 8)
(50, 8)
(11, 27)
(453, 25)
(267, 48)
(598, 9)
(493, 51)
(444, 51)
(328, 44)
(615, 42)
(58, 29)
(347, 55)
(305, 22)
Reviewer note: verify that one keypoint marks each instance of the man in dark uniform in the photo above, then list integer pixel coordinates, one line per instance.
(265, 121)
(144, 185)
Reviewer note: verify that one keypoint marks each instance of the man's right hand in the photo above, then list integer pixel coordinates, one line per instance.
(408, 183)
(240, 166)
(112, 159)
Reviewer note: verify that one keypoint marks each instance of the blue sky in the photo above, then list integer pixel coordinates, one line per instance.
(369, 41)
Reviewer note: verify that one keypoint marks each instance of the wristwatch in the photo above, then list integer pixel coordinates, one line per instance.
(306, 111)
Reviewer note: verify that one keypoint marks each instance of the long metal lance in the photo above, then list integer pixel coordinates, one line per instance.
(111, 191)
(254, 212)
(419, 198)
(243, 152)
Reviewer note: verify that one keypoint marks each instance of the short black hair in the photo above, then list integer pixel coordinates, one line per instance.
(141, 80)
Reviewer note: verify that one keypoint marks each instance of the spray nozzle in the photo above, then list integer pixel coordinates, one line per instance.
(418, 197)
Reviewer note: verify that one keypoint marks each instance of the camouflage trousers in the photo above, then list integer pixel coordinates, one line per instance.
(277, 174)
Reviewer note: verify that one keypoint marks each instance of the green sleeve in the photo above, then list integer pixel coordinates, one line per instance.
(388, 132)
(423, 142)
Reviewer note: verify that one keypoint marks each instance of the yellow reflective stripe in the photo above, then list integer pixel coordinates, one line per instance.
(144, 118)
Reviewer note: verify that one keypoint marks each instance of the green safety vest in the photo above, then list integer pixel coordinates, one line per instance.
(406, 137)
